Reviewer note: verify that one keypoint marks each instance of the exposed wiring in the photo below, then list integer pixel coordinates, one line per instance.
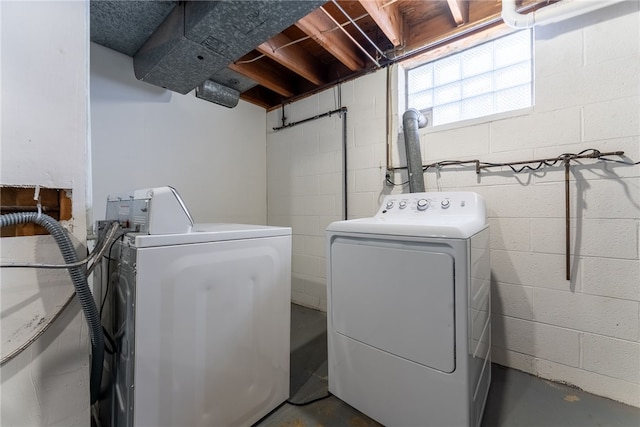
(95, 255)
(591, 153)
(109, 259)
(346, 33)
(108, 241)
(527, 166)
(523, 168)
(112, 349)
(248, 61)
(394, 184)
(345, 24)
(292, 42)
(375, 46)
(328, 395)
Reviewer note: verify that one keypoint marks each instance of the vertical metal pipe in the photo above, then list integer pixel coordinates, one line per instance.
(567, 220)
(412, 120)
(343, 111)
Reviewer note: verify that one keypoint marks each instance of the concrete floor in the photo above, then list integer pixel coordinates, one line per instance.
(515, 398)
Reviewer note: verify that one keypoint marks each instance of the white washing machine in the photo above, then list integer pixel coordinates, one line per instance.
(409, 325)
(201, 316)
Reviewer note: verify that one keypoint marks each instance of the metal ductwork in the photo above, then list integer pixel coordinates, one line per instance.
(412, 120)
(218, 94)
(199, 38)
(224, 88)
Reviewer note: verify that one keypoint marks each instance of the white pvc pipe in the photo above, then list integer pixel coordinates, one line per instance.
(556, 12)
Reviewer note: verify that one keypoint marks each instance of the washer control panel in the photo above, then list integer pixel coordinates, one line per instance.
(158, 210)
(431, 204)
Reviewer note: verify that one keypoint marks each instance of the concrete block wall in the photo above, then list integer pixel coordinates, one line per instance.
(585, 331)
(305, 173)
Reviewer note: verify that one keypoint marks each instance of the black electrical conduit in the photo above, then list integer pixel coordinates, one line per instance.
(80, 284)
(343, 113)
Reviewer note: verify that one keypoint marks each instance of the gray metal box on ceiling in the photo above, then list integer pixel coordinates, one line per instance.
(170, 60)
(199, 38)
(234, 28)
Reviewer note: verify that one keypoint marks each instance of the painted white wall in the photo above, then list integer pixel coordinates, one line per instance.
(145, 136)
(587, 95)
(44, 142)
(305, 177)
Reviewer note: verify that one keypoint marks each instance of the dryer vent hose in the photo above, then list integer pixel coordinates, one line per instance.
(412, 120)
(79, 280)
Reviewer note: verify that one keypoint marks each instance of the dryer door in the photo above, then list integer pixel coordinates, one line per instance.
(395, 296)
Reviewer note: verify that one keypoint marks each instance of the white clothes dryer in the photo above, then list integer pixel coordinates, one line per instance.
(200, 316)
(409, 324)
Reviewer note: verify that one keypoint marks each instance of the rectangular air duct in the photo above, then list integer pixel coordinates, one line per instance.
(198, 38)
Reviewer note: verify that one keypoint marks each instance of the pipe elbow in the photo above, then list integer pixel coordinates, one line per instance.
(514, 19)
(553, 13)
(413, 114)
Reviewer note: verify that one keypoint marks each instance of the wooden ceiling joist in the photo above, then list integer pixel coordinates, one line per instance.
(321, 28)
(387, 17)
(294, 57)
(459, 11)
(339, 41)
(265, 75)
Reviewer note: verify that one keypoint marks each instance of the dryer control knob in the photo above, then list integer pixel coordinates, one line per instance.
(423, 204)
(402, 204)
(389, 205)
(445, 204)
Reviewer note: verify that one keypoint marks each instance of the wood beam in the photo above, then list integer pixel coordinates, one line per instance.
(320, 28)
(387, 17)
(293, 57)
(264, 74)
(261, 96)
(440, 27)
(459, 11)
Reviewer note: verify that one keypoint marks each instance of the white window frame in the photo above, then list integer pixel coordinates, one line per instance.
(405, 69)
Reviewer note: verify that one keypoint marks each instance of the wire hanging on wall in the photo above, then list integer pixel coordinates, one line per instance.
(529, 166)
(590, 153)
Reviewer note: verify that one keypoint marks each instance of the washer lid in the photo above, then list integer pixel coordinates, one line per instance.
(445, 214)
(214, 232)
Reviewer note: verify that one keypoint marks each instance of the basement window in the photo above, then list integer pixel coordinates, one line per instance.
(487, 79)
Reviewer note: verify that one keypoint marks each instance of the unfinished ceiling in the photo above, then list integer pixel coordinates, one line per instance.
(270, 52)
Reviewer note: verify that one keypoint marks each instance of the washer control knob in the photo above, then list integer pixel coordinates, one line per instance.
(423, 204)
(389, 205)
(402, 204)
(445, 204)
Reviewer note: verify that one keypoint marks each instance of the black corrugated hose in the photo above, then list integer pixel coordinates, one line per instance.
(79, 280)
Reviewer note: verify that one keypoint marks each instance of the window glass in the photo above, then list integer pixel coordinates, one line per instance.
(445, 94)
(477, 85)
(478, 60)
(423, 100)
(447, 70)
(487, 79)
